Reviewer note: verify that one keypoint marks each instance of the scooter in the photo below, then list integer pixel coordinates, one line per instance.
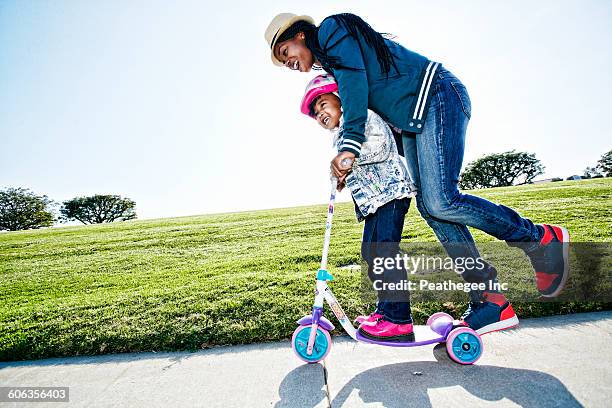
(311, 341)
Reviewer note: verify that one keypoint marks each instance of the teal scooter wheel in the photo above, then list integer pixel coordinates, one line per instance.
(464, 345)
(322, 344)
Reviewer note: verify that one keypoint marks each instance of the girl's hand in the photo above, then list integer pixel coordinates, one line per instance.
(341, 186)
(340, 167)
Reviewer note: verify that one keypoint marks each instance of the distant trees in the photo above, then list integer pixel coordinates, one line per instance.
(604, 164)
(601, 169)
(21, 209)
(500, 170)
(97, 209)
(591, 172)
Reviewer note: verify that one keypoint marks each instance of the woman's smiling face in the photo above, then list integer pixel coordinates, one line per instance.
(294, 53)
(327, 110)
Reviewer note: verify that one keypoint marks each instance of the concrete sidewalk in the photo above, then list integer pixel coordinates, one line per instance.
(560, 361)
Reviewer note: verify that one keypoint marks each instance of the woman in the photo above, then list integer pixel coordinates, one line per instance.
(432, 109)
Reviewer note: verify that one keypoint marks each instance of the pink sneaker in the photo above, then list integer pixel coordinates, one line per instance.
(384, 330)
(368, 320)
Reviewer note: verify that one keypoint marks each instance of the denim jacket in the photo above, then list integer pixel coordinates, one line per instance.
(378, 175)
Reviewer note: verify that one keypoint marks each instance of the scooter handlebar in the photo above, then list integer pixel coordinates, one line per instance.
(345, 163)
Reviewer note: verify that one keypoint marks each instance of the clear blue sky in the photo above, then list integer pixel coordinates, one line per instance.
(177, 106)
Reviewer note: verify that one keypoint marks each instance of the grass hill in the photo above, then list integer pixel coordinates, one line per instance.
(194, 282)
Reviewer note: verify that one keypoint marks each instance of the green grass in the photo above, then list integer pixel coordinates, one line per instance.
(193, 282)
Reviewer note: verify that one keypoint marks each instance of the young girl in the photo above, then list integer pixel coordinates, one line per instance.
(380, 188)
(432, 108)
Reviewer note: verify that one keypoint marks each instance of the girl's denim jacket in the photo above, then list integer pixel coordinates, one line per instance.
(378, 175)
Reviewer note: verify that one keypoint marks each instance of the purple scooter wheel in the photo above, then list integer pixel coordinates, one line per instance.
(438, 315)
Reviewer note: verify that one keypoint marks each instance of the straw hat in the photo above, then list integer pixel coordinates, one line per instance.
(278, 26)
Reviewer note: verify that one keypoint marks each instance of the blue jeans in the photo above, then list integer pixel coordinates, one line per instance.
(434, 160)
(382, 234)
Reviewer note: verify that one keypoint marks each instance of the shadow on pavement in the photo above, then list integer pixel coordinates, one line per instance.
(302, 387)
(396, 385)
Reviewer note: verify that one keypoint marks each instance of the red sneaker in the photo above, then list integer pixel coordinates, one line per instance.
(493, 314)
(384, 330)
(551, 260)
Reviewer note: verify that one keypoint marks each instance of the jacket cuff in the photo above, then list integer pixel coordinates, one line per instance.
(352, 146)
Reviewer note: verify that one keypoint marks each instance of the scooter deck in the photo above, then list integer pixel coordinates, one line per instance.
(422, 335)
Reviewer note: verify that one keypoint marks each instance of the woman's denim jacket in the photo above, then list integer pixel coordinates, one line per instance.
(378, 175)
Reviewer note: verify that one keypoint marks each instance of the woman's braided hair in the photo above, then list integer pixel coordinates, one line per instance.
(354, 25)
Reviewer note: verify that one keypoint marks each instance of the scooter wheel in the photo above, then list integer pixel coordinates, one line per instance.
(437, 315)
(464, 345)
(322, 344)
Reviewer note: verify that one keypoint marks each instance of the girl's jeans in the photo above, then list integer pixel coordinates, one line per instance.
(382, 234)
(434, 160)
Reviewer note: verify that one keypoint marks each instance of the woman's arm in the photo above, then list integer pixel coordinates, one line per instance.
(352, 81)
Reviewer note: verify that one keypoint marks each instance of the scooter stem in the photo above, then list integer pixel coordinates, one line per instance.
(328, 222)
(328, 225)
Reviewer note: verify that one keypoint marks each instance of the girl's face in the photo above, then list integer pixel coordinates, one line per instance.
(327, 110)
(294, 53)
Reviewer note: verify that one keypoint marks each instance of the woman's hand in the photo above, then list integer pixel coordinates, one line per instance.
(340, 165)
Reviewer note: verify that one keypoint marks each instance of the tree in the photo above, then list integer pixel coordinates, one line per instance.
(501, 169)
(604, 164)
(98, 209)
(21, 209)
(591, 172)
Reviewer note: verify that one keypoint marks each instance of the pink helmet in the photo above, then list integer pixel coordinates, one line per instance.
(321, 84)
